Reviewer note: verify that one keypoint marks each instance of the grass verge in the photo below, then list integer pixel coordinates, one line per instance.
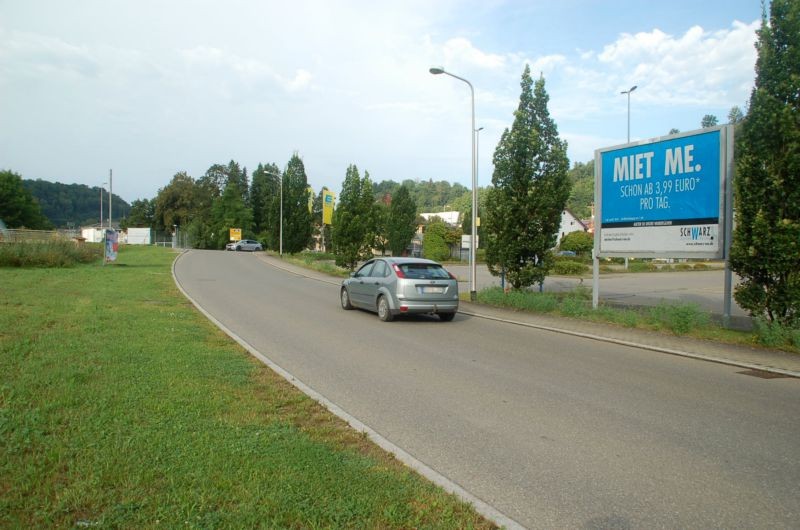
(318, 261)
(678, 319)
(120, 406)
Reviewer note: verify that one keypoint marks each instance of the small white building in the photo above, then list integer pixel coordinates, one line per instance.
(450, 218)
(93, 234)
(569, 224)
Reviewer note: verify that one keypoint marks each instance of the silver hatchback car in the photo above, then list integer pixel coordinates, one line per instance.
(401, 286)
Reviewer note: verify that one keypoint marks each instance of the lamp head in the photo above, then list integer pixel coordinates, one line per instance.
(436, 70)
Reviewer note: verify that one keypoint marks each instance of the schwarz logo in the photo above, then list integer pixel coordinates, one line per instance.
(697, 232)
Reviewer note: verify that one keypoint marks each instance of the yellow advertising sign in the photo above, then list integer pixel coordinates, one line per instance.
(328, 200)
(236, 234)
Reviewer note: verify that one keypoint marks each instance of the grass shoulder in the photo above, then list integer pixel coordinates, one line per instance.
(121, 406)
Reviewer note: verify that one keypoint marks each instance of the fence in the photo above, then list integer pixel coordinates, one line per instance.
(14, 235)
(168, 239)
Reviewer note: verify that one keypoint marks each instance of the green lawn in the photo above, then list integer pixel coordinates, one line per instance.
(121, 406)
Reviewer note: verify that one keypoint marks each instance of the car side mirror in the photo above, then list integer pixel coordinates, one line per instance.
(353, 274)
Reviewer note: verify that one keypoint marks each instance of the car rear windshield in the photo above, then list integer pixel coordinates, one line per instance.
(423, 271)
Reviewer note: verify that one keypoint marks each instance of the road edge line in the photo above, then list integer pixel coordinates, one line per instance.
(486, 510)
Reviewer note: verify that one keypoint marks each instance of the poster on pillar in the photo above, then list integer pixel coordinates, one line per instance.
(111, 245)
(663, 197)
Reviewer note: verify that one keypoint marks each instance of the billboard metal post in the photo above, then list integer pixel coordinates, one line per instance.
(728, 287)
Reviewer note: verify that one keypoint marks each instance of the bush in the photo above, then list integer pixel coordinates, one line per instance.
(579, 242)
(53, 253)
(569, 267)
(434, 242)
(774, 334)
(700, 267)
(683, 267)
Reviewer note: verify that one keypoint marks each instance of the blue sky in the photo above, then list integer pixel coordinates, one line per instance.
(151, 88)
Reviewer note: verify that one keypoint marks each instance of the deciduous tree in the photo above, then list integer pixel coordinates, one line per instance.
(18, 208)
(709, 120)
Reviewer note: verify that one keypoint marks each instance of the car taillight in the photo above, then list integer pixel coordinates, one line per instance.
(398, 271)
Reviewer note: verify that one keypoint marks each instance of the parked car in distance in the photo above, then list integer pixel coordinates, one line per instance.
(401, 286)
(244, 244)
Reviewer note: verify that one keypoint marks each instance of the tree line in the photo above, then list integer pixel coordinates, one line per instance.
(43, 205)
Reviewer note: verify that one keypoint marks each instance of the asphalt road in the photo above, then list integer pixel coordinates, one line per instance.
(554, 431)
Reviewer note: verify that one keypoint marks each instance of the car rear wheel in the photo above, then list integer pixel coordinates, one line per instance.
(447, 317)
(345, 299)
(384, 313)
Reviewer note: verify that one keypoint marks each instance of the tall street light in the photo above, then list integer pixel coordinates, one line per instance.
(473, 294)
(628, 92)
(477, 151)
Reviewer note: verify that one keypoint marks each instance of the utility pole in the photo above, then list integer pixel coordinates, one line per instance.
(110, 196)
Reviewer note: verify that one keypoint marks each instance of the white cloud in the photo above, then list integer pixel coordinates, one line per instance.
(698, 67)
(35, 55)
(460, 51)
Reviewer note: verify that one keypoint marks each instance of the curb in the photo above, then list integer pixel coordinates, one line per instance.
(429, 473)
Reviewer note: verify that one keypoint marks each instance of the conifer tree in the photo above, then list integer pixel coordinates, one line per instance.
(401, 225)
(766, 244)
(297, 225)
(531, 188)
(353, 230)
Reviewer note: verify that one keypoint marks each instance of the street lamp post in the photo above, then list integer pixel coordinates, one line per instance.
(473, 294)
(628, 92)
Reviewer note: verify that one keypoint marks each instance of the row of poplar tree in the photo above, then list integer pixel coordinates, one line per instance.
(530, 188)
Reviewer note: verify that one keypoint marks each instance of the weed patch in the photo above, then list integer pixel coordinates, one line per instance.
(55, 253)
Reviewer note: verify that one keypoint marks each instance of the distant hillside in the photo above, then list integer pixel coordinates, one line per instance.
(73, 205)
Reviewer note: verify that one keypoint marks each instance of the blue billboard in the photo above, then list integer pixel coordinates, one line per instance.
(664, 196)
